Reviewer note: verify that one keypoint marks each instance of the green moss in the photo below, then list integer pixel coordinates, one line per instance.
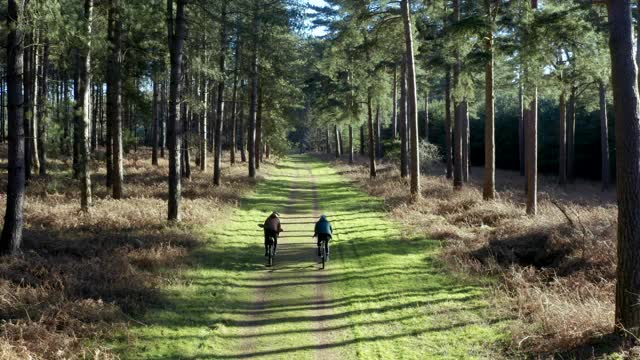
(382, 296)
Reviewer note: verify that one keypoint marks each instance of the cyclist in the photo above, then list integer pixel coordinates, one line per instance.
(272, 228)
(324, 231)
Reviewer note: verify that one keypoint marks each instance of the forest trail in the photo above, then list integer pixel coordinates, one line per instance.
(383, 295)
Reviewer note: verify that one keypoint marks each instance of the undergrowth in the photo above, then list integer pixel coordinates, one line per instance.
(556, 270)
(82, 278)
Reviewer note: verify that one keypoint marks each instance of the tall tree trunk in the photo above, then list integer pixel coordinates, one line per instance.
(28, 101)
(109, 121)
(100, 114)
(489, 189)
(571, 136)
(234, 106)
(94, 118)
(531, 141)
(604, 138)
(253, 112)
(259, 144)
(77, 116)
(362, 140)
(412, 101)
(372, 156)
(67, 126)
(378, 133)
(243, 135)
(156, 121)
(35, 63)
(458, 104)
(11, 238)
(627, 117)
(562, 135)
(521, 121)
(447, 125)
(85, 108)
(176, 45)
(217, 157)
(465, 141)
(337, 140)
(532, 154)
(114, 99)
(404, 161)
(163, 118)
(426, 117)
(2, 115)
(350, 144)
(186, 133)
(394, 116)
(43, 110)
(204, 124)
(340, 141)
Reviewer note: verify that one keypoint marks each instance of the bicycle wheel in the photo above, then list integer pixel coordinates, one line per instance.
(271, 255)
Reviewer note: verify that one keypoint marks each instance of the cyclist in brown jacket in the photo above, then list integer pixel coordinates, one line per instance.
(272, 228)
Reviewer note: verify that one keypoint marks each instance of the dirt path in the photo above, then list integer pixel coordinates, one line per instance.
(296, 265)
(382, 296)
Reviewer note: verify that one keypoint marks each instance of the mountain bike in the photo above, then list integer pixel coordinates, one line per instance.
(271, 249)
(324, 253)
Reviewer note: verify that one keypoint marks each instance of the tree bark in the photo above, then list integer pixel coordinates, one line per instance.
(404, 160)
(234, 106)
(412, 101)
(571, 136)
(604, 138)
(163, 118)
(11, 238)
(394, 116)
(85, 108)
(43, 110)
(362, 140)
(465, 140)
(458, 127)
(28, 101)
(489, 189)
(35, 63)
(217, 156)
(378, 133)
(426, 117)
(186, 134)
(253, 112)
(77, 117)
(340, 141)
(204, 124)
(156, 122)
(243, 135)
(176, 45)
(337, 140)
(627, 117)
(532, 154)
(114, 99)
(372, 154)
(259, 144)
(521, 121)
(350, 144)
(447, 125)
(562, 135)
(94, 119)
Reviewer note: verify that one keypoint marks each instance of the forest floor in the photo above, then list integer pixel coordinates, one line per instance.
(554, 273)
(82, 278)
(385, 293)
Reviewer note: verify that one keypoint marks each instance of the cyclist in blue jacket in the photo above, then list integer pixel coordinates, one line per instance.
(323, 231)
